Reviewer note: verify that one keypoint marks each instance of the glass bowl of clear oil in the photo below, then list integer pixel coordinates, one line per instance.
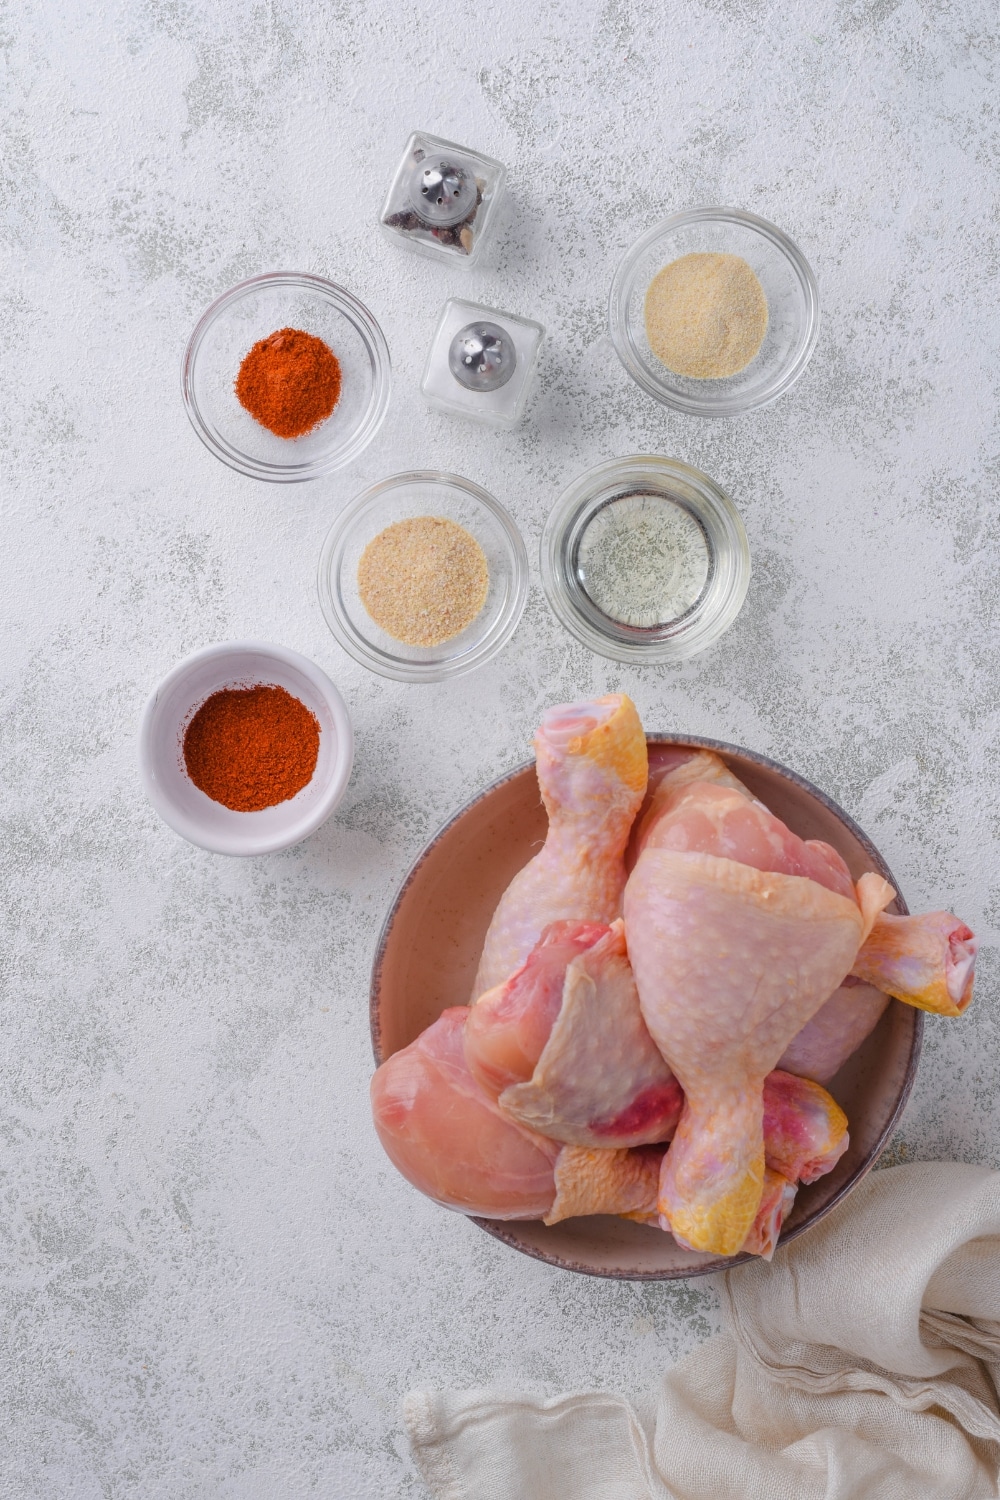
(645, 559)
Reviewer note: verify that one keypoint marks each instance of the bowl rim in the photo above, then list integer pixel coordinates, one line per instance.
(371, 656)
(500, 1229)
(622, 643)
(188, 827)
(365, 325)
(716, 405)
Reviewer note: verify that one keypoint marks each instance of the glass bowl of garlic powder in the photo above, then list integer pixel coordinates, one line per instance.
(423, 576)
(714, 311)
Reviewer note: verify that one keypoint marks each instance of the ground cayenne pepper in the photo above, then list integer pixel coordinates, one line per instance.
(250, 748)
(289, 382)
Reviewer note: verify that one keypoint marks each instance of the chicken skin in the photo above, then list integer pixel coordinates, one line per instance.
(564, 1047)
(592, 769)
(738, 931)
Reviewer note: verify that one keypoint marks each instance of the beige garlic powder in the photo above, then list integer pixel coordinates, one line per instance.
(706, 315)
(423, 580)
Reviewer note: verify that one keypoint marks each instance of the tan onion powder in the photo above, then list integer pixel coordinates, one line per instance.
(423, 580)
(706, 315)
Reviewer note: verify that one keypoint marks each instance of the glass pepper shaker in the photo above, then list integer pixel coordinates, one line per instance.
(443, 198)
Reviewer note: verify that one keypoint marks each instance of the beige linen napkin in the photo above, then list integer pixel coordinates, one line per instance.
(863, 1361)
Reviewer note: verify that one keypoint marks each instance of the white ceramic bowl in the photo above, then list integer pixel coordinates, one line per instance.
(184, 806)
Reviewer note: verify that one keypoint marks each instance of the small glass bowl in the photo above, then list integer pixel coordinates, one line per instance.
(792, 304)
(708, 519)
(399, 498)
(251, 311)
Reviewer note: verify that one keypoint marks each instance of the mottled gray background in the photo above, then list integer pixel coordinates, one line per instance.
(213, 1284)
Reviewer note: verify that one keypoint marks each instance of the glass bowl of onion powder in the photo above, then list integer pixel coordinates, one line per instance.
(645, 560)
(714, 311)
(423, 576)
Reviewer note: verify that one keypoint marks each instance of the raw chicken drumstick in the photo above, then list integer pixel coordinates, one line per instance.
(450, 1139)
(928, 960)
(592, 768)
(738, 931)
(836, 1031)
(805, 1135)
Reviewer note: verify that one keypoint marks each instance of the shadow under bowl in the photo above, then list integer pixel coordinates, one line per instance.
(429, 949)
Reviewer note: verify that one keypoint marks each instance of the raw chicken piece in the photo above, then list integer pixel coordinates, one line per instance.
(509, 1025)
(805, 1129)
(723, 819)
(776, 1203)
(835, 1032)
(597, 1181)
(449, 1138)
(592, 769)
(775, 1206)
(679, 765)
(805, 1135)
(929, 961)
(565, 1041)
(734, 948)
(676, 766)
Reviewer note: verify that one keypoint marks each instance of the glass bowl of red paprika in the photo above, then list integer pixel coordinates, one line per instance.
(313, 371)
(263, 713)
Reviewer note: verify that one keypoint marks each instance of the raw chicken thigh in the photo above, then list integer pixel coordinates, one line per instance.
(592, 767)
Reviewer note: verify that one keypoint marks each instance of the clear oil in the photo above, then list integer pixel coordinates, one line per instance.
(643, 560)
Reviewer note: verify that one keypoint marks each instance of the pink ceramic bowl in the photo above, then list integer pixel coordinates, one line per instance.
(429, 948)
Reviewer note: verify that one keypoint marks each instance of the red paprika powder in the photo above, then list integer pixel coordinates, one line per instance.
(251, 748)
(289, 382)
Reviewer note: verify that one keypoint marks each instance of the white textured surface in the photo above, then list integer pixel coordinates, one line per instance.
(212, 1283)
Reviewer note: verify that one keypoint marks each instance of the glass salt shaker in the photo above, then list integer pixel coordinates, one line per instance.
(443, 198)
(481, 363)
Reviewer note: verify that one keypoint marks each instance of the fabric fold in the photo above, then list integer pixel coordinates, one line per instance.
(862, 1363)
